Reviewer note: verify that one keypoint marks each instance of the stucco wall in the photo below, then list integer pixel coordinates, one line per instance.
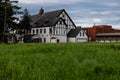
(71, 39)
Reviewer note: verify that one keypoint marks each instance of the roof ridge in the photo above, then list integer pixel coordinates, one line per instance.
(53, 11)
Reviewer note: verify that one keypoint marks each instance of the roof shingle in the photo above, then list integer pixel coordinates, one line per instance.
(73, 32)
(47, 19)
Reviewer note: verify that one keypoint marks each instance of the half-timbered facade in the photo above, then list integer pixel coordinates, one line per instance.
(51, 27)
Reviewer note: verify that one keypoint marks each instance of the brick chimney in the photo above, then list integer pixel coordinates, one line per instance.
(41, 11)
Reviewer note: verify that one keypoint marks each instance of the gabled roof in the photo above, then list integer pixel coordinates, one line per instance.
(34, 19)
(47, 19)
(73, 32)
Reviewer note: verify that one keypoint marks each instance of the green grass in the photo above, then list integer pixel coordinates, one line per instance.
(70, 61)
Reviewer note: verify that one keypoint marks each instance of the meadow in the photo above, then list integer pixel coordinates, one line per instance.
(63, 61)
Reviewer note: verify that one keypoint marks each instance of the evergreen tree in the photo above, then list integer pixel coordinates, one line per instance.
(25, 22)
(1, 16)
(7, 12)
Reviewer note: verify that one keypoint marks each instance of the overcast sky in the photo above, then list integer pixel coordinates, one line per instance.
(84, 13)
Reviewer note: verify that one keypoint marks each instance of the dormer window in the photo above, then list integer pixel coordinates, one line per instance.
(47, 21)
(60, 22)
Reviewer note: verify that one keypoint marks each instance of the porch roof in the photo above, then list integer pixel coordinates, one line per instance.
(107, 34)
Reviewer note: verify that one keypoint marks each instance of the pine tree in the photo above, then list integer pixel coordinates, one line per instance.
(7, 12)
(25, 22)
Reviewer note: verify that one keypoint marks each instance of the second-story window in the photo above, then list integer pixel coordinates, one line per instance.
(80, 33)
(44, 30)
(60, 22)
(56, 32)
(36, 31)
(40, 30)
(50, 30)
(83, 33)
(33, 31)
(63, 15)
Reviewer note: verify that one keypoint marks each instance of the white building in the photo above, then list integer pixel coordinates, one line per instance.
(77, 35)
(52, 27)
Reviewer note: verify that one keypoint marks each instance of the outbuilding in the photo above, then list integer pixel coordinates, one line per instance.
(10, 38)
(77, 35)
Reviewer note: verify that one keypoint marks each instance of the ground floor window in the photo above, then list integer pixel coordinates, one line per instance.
(44, 40)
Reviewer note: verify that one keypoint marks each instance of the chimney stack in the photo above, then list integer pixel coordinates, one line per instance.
(41, 11)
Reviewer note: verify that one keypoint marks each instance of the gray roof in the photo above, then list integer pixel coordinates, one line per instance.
(34, 19)
(73, 32)
(108, 34)
(10, 34)
(47, 19)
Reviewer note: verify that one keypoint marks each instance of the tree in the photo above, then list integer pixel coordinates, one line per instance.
(7, 12)
(1, 17)
(25, 22)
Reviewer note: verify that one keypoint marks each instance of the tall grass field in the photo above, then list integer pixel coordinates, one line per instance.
(65, 61)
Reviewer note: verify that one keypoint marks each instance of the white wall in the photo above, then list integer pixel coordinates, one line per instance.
(42, 35)
(82, 37)
(47, 35)
(71, 39)
(53, 40)
(81, 40)
(62, 39)
(67, 21)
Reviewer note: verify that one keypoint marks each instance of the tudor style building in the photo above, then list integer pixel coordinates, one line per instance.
(51, 27)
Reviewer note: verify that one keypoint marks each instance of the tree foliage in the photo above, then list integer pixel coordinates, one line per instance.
(8, 10)
(25, 22)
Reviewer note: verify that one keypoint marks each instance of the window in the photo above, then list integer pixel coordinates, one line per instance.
(10, 38)
(40, 30)
(44, 40)
(80, 33)
(63, 20)
(56, 32)
(33, 31)
(83, 34)
(50, 30)
(44, 30)
(65, 32)
(47, 21)
(36, 31)
(23, 31)
(30, 32)
(60, 22)
(63, 15)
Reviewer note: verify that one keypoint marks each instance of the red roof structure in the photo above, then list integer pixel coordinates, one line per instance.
(92, 31)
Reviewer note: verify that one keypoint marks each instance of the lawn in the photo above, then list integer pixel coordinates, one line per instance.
(63, 61)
